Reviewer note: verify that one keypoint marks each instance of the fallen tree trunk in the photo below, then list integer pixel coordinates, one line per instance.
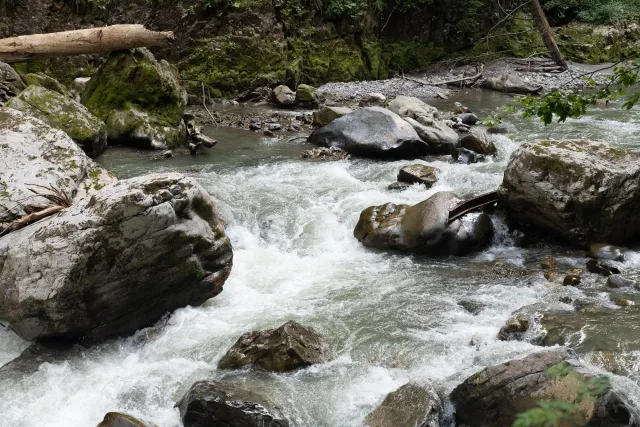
(547, 34)
(91, 40)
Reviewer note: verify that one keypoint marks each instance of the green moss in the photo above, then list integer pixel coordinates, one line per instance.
(598, 44)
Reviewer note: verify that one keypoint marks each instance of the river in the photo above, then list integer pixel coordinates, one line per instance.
(388, 317)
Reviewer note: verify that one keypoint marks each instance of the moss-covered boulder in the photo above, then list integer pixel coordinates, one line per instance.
(62, 112)
(139, 98)
(41, 79)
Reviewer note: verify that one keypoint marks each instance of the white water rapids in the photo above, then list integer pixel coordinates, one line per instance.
(388, 317)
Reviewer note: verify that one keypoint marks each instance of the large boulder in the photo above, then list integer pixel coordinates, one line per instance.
(10, 82)
(424, 118)
(424, 228)
(214, 403)
(62, 112)
(32, 152)
(581, 191)
(289, 347)
(411, 405)
(493, 396)
(372, 132)
(512, 84)
(139, 98)
(41, 79)
(115, 261)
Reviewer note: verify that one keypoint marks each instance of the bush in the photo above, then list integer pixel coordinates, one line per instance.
(592, 11)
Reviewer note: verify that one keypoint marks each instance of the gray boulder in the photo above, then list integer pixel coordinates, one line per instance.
(32, 152)
(582, 191)
(214, 403)
(423, 228)
(140, 99)
(62, 112)
(468, 119)
(114, 262)
(371, 132)
(409, 106)
(467, 157)
(10, 83)
(411, 405)
(289, 347)
(477, 140)
(493, 396)
(605, 251)
(512, 84)
(282, 96)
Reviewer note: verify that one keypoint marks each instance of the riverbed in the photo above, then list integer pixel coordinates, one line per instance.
(388, 317)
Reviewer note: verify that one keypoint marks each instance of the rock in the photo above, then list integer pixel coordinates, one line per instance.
(549, 263)
(477, 140)
(607, 252)
(602, 268)
(556, 186)
(78, 86)
(255, 124)
(398, 186)
(33, 357)
(462, 155)
(114, 262)
(493, 396)
(116, 419)
(48, 82)
(571, 280)
(511, 84)
(274, 127)
(324, 153)
(35, 153)
(140, 99)
(520, 239)
(412, 107)
(410, 405)
(328, 114)
(268, 133)
(423, 228)
(514, 328)
(622, 302)
(10, 83)
(420, 174)
(371, 132)
(497, 129)
(552, 275)
(308, 95)
(618, 281)
(371, 99)
(213, 403)
(282, 96)
(472, 307)
(289, 347)
(468, 119)
(440, 138)
(62, 112)
(167, 154)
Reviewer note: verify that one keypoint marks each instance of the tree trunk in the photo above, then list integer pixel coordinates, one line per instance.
(92, 40)
(547, 34)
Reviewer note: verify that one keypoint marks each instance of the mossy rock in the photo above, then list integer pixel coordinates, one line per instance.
(139, 98)
(305, 93)
(61, 112)
(41, 79)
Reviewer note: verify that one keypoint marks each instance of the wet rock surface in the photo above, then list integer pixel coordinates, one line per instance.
(116, 419)
(410, 405)
(328, 114)
(289, 347)
(214, 403)
(10, 83)
(478, 141)
(578, 190)
(418, 173)
(423, 228)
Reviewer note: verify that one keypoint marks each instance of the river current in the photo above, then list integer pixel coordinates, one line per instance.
(388, 317)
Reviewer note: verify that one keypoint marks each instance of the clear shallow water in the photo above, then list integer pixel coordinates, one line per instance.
(388, 318)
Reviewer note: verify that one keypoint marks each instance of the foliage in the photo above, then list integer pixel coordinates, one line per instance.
(557, 413)
(594, 11)
(563, 104)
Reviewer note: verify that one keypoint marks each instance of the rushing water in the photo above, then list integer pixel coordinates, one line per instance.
(388, 317)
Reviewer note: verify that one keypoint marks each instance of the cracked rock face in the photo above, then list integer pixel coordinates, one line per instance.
(32, 152)
(581, 191)
(115, 261)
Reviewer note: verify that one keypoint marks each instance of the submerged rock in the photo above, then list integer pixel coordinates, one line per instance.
(114, 262)
(495, 395)
(323, 153)
(410, 405)
(514, 328)
(418, 173)
(41, 79)
(398, 186)
(602, 268)
(478, 141)
(32, 152)
(213, 403)
(140, 100)
(116, 419)
(463, 155)
(468, 119)
(328, 114)
(582, 191)
(423, 228)
(371, 132)
(62, 112)
(512, 84)
(618, 281)
(10, 83)
(472, 307)
(289, 347)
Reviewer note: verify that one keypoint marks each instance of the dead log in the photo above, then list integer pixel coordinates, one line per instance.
(91, 40)
(547, 34)
(32, 217)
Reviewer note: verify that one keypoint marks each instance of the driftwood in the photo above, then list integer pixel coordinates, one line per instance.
(460, 80)
(55, 195)
(32, 217)
(91, 40)
(541, 69)
(195, 137)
